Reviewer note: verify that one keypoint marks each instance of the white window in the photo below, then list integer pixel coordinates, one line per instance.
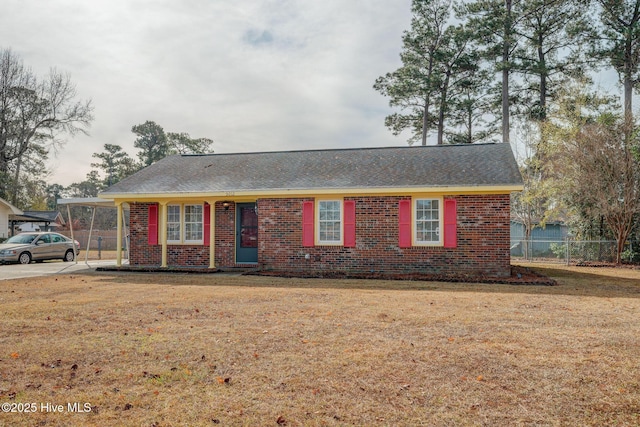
(185, 223)
(427, 221)
(173, 223)
(193, 225)
(329, 222)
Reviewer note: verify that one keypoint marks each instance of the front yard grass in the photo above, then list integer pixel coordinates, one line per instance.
(174, 349)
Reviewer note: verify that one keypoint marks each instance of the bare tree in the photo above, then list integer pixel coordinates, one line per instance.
(602, 175)
(33, 112)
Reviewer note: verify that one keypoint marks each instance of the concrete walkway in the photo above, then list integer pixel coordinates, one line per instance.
(48, 268)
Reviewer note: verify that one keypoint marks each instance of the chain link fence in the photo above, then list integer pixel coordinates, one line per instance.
(564, 251)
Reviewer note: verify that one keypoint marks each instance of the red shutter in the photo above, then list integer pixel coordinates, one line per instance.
(404, 223)
(206, 228)
(153, 225)
(307, 223)
(349, 223)
(450, 223)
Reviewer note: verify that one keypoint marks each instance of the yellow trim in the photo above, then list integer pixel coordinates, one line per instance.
(252, 195)
(316, 222)
(162, 232)
(119, 235)
(414, 228)
(212, 233)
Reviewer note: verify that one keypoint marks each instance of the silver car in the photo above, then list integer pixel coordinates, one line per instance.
(27, 247)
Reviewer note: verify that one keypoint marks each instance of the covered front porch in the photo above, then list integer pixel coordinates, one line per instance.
(192, 233)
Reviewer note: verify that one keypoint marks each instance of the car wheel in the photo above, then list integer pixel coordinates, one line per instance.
(68, 256)
(24, 258)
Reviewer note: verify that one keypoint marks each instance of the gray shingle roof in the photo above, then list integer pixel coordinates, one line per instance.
(477, 165)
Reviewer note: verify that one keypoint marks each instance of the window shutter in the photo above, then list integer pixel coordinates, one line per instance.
(307, 223)
(206, 227)
(404, 223)
(450, 223)
(349, 223)
(152, 223)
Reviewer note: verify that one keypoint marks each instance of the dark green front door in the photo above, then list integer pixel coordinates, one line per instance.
(246, 233)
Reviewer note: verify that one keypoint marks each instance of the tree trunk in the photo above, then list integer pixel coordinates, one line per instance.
(628, 96)
(505, 106)
(425, 120)
(427, 101)
(506, 49)
(470, 126)
(443, 106)
(13, 191)
(543, 81)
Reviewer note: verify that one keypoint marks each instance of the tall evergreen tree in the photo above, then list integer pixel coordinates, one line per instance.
(457, 66)
(551, 33)
(115, 163)
(494, 22)
(471, 113)
(414, 87)
(620, 45)
(151, 141)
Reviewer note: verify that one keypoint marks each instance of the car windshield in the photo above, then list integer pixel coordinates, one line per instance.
(21, 238)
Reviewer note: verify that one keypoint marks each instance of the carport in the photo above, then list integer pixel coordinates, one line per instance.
(16, 219)
(94, 203)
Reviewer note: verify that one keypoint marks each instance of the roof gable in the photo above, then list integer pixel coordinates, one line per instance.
(476, 165)
(14, 210)
(50, 216)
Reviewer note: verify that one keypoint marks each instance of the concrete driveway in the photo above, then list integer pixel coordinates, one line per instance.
(47, 268)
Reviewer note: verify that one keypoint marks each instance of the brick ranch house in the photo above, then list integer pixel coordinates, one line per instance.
(435, 210)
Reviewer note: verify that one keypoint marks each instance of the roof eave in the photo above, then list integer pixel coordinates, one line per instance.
(306, 192)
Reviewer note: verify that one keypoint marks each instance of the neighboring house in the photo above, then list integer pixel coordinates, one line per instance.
(435, 209)
(41, 221)
(541, 238)
(6, 209)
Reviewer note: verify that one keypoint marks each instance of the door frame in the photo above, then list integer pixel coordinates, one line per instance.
(245, 255)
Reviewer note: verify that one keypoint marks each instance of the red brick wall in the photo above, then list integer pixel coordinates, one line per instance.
(482, 237)
(140, 253)
(225, 235)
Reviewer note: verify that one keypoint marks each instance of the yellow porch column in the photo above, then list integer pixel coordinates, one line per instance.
(162, 232)
(119, 235)
(212, 233)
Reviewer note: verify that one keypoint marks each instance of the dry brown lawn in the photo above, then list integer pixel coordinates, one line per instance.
(202, 350)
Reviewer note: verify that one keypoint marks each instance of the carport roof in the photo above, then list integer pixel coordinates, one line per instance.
(88, 201)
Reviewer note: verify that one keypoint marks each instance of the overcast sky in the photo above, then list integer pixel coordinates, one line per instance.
(251, 75)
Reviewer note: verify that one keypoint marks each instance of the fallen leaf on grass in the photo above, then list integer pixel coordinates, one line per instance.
(15, 355)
